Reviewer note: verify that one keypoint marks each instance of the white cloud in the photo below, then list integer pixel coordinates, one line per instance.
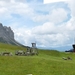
(57, 17)
(23, 35)
(21, 9)
(71, 5)
(46, 28)
(51, 1)
(50, 29)
(54, 16)
(53, 35)
(7, 8)
(46, 35)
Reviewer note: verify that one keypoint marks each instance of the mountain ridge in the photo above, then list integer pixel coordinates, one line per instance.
(7, 36)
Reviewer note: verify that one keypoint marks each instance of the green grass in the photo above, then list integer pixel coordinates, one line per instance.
(10, 47)
(48, 62)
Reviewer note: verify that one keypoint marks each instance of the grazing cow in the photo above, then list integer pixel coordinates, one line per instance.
(64, 58)
(20, 52)
(27, 53)
(7, 54)
(69, 58)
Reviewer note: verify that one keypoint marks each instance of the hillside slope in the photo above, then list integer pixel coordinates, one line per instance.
(46, 63)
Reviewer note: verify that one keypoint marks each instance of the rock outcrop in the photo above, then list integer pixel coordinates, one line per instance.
(7, 35)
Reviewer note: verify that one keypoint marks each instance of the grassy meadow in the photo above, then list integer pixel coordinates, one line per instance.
(48, 62)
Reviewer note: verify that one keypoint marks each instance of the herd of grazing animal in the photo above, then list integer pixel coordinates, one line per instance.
(29, 52)
(17, 53)
(67, 58)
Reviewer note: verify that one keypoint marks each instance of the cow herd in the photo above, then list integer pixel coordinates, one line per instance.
(28, 52)
(67, 58)
(6, 53)
(23, 53)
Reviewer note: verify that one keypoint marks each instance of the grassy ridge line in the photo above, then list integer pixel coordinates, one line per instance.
(11, 47)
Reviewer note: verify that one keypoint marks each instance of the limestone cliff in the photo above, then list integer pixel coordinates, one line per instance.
(7, 35)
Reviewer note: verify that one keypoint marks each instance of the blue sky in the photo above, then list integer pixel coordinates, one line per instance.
(50, 25)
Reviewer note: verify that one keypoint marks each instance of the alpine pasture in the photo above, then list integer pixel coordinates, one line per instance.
(47, 62)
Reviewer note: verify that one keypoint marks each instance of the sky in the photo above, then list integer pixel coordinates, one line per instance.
(49, 24)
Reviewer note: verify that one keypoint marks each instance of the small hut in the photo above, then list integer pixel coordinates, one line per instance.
(32, 50)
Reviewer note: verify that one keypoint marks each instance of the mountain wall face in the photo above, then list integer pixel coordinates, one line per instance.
(6, 32)
(9, 32)
(7, 35)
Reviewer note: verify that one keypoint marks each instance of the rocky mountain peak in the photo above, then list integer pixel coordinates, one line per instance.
(7, 35)
(6, 32)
